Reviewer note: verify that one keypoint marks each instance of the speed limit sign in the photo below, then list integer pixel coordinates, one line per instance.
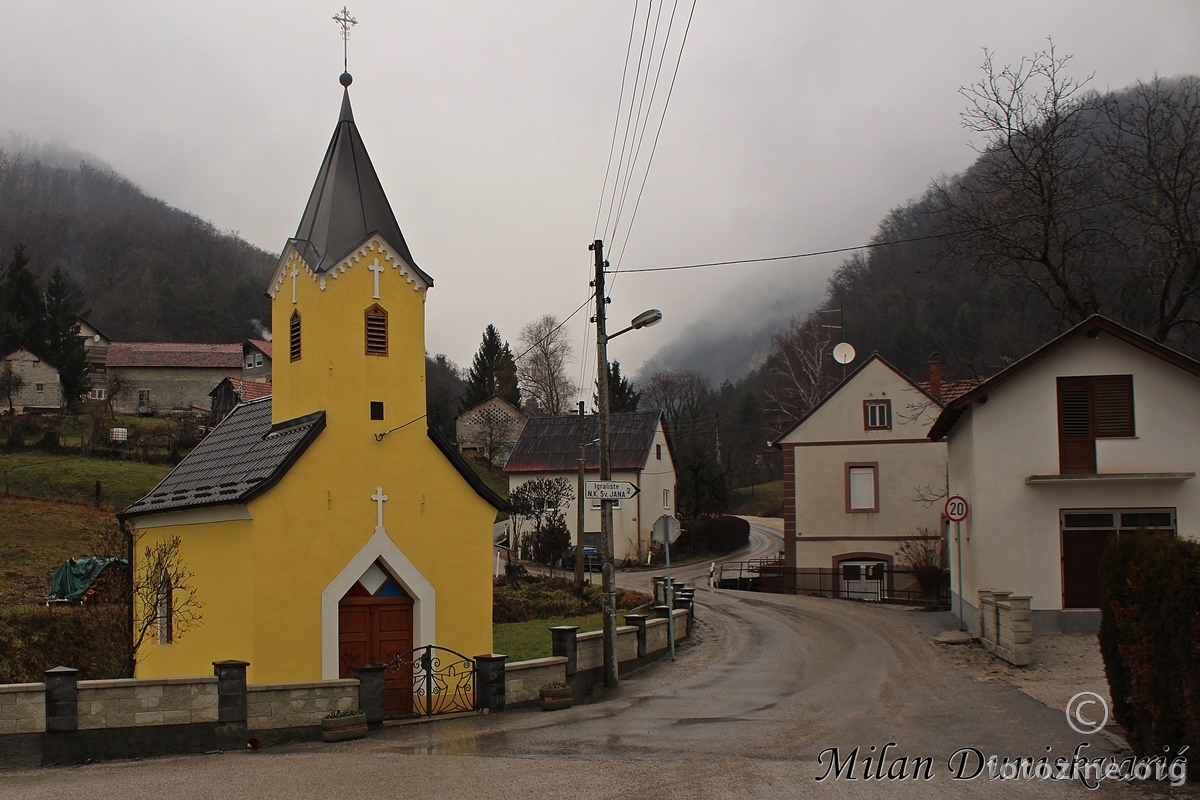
(956, 508)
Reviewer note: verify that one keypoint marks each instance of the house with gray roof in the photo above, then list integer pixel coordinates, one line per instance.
(548, 447)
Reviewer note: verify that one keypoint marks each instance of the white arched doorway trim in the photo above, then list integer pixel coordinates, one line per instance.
(379, 547)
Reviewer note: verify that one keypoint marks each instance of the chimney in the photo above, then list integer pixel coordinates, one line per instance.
(935, 375)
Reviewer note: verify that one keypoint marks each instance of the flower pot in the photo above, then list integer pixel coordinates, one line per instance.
(339, 729)
(552, 699)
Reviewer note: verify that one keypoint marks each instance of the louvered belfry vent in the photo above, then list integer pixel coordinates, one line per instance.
(376, 325)
(294, 334)
(1090, 408)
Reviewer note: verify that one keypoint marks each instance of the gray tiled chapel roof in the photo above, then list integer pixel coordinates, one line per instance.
(240, 459)
(347, 203)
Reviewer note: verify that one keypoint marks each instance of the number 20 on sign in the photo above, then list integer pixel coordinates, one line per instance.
(956, 508)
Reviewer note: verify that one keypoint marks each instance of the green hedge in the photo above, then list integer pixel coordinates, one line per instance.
(1150, 641)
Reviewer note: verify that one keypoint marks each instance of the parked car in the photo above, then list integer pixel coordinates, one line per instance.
(591, 558)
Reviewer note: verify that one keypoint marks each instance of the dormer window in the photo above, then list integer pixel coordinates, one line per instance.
(294, 332)
(877, 415)
(375, 323)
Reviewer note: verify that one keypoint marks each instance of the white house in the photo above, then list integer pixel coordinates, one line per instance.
(856, 469)
(41, 389)
(1093, 436)
(641, 454)
(489, 430)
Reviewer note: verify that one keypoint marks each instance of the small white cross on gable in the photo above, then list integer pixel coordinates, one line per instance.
(378, 270)
(293, 275)
(380, 498)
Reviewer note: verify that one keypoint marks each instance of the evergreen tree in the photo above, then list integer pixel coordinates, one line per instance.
(22, 307)
(63, 348)
(493, 372)
(622, 397)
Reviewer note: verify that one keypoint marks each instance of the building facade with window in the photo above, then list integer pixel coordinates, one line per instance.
(39, 386)
(548, 447)
(856, 468)
(1091, 437)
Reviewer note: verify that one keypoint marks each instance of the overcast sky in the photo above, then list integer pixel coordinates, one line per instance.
(793, 126)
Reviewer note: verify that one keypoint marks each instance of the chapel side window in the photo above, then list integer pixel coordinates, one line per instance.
(294, 333)
(375, 324)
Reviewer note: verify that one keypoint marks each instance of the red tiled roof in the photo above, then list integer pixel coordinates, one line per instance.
(247, 390)
(174, 354)
(949, 389)
(260, 344)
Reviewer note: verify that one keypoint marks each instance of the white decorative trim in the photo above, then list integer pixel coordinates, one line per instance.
(375, 245)
(378, 547)
(194, 516)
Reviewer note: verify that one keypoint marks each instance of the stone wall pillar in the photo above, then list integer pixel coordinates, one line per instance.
(489, 681)
(231, 690)
(370, 692)
(638, 621)
(62, 699)
(565, 644)
(661, 612)
(1019, 629)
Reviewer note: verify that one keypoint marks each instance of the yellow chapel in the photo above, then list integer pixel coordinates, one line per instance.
(328, 526)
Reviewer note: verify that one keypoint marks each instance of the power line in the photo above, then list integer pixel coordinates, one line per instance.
(810, 254)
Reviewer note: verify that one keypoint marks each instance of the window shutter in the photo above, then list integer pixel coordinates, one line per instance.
(1076, 444)
(375, 322)
(1114, 405)
(294, 331)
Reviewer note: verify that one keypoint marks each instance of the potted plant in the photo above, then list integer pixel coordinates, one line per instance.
(556, 695)
(338, 726)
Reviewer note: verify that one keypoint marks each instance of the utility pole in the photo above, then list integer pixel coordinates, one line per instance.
(579, 506)
(608, 569)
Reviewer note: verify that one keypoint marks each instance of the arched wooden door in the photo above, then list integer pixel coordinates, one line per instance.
(373, 628)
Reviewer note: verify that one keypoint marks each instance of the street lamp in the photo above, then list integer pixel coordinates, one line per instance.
(608, 568)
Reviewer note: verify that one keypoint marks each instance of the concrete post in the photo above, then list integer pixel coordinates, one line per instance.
(638, 621)
(565, 645)
(231, 690)
(62, 699)
(489, 681)
(661, 612)
(370, 692)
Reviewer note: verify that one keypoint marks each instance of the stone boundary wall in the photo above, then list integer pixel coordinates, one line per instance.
(524, 679)
(297, 705)
(22, 708)
(1006, 626)
(137, 702)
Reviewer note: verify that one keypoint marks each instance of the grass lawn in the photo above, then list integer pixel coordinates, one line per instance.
(35, 537)
(761, 500)
(521, 641)
(72, 478)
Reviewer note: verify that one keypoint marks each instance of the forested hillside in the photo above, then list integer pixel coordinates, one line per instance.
(1080, 203)
(144, 269)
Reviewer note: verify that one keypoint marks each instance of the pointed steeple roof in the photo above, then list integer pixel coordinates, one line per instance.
(347, 203)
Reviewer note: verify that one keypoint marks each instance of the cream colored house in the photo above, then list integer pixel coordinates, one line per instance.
(641, 454)
(855, 469)
(1093, 436)
(489, 430)
(41, 389)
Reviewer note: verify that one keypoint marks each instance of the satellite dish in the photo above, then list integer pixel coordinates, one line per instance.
(843, 353)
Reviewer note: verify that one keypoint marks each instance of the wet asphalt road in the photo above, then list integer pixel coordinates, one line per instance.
(766, 686)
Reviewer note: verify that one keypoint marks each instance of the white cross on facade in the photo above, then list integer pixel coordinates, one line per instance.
(379, 497)
(378, 270)
(293, 274)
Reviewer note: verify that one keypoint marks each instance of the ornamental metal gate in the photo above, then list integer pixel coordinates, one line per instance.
(426, 681)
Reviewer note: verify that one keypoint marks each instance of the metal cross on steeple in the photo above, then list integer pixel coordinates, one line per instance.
(346, 22)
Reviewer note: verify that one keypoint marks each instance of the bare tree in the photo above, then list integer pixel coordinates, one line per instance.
(800, 369)
(1152, 152)
(926, 558)
(542, 369)
(160, 591)
(540, 501)
(677, 393)
(492, 430)
(1025, 209)
(11, 384)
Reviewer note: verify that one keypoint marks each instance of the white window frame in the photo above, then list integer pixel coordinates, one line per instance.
(856, 475)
